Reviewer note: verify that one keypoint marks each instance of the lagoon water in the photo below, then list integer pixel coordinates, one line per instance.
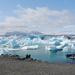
(46, 55)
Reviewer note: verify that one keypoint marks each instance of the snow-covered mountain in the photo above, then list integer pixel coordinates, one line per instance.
(24, 33)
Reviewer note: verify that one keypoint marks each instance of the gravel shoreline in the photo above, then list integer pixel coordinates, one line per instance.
(13, 66)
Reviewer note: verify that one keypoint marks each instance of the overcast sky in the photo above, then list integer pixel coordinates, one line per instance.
(47, 16)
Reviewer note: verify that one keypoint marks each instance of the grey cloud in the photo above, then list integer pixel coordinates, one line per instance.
(39, 19)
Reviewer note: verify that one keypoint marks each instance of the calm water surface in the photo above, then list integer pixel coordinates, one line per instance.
(45, 55)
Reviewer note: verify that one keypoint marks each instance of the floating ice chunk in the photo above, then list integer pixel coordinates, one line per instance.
(53, 48)
(33, 47)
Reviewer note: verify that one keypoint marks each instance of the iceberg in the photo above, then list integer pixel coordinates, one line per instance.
(53, 48)
(32, 47)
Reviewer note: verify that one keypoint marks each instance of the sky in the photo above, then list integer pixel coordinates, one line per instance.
(46, 16)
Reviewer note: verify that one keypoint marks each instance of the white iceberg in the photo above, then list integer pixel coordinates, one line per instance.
(31, 47)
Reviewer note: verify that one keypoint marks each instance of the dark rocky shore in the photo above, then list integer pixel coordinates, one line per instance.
(15, 66)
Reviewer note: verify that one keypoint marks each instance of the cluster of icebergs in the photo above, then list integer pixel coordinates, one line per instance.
(55, 44)
(61, 44)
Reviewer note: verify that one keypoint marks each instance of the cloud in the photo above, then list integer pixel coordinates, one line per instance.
(40, 19)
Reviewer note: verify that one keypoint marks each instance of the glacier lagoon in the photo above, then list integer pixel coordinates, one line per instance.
(44, 49)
